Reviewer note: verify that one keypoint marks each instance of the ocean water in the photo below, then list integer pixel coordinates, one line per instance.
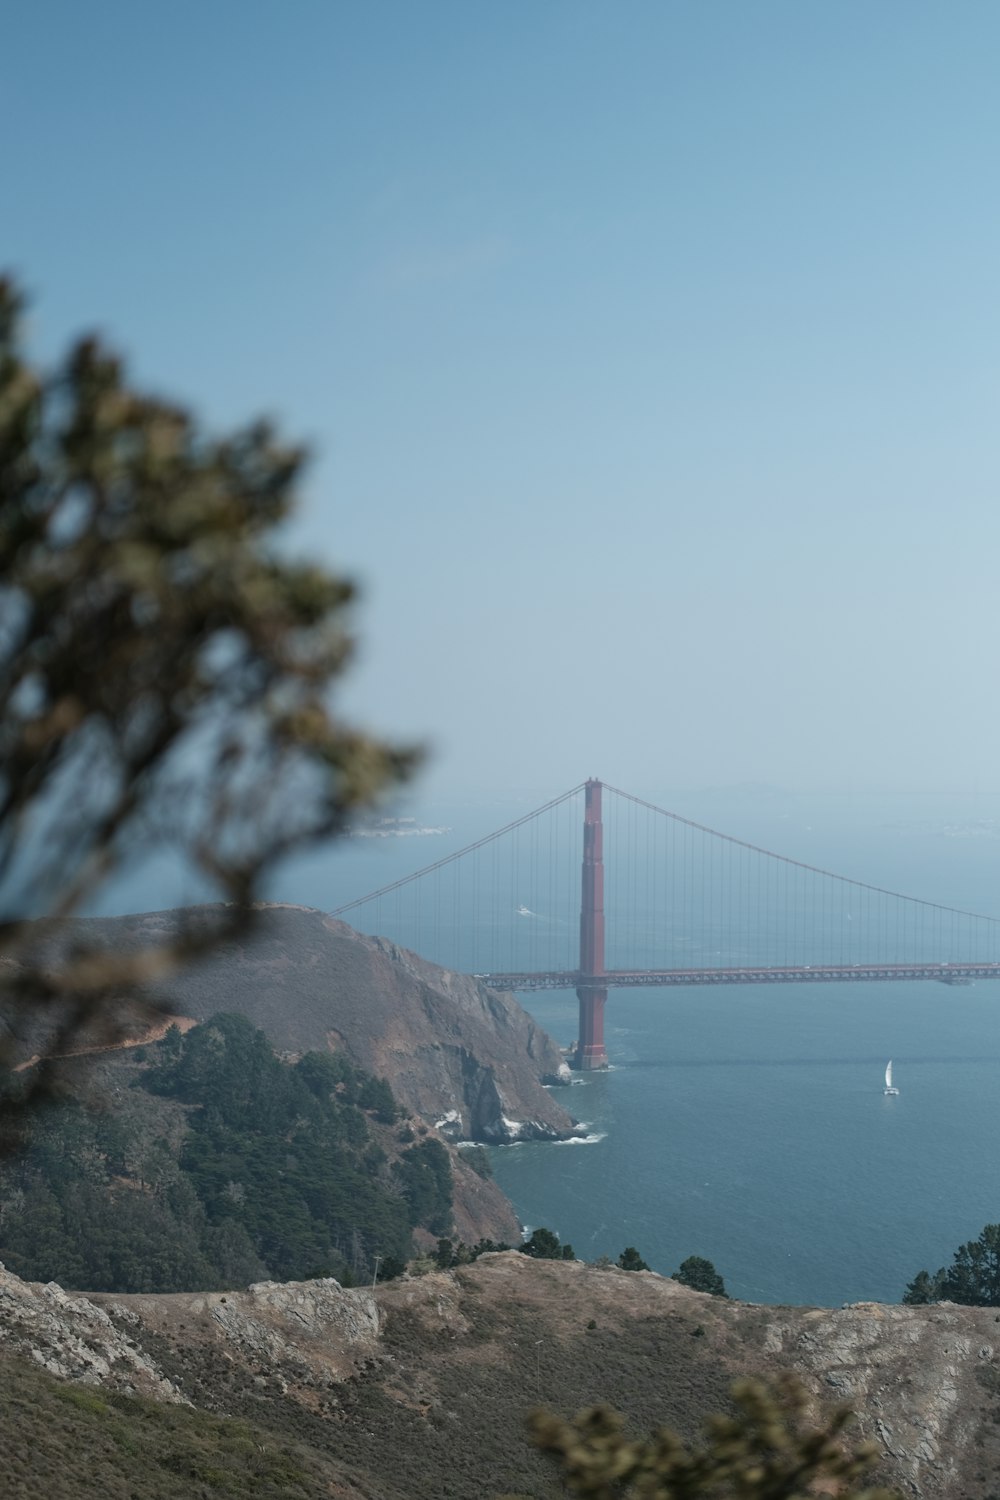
(750, 1127)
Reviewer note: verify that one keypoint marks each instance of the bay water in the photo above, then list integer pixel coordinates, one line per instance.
(750, 1127)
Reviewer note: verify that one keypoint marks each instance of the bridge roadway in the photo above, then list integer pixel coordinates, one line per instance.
(620, 979)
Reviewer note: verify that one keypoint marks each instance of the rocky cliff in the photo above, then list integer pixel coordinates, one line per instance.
(421, 1388)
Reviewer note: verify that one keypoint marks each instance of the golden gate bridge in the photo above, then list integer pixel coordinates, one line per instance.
(545, 903)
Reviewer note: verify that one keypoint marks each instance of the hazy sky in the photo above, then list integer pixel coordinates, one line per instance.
(650, 351)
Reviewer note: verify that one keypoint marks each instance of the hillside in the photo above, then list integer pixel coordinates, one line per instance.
(419, 1391)
(465, 1061)
(447, 1045)
(204, 1160)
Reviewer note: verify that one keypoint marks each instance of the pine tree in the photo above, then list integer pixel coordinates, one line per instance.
(631, 1260)
(701, 1276)
(972, 1279)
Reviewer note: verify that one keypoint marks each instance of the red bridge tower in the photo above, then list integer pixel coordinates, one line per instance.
(590, 992)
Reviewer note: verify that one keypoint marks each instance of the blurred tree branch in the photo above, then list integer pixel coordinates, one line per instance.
(766, 1451)
(165, 678)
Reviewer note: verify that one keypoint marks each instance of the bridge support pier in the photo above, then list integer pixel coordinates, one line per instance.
(590, 1051)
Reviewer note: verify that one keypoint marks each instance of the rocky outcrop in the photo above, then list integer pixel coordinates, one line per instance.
(74, 1338)
(918, 1377)
(446, 1365)
(303, 1335)
(455, 1051)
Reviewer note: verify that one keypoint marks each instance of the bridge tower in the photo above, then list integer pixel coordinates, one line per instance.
(591, 994)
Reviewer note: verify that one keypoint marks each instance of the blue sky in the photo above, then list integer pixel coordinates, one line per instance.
(650, 352)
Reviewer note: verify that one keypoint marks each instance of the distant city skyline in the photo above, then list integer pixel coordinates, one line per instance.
(649, 354)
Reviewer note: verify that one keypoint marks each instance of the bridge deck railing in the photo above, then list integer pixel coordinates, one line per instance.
(942, 973)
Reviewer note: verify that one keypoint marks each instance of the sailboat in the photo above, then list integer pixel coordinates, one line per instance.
(888, 1079)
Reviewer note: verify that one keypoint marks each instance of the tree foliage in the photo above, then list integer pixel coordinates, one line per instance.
(766, 1451)
(700, 1275)
(924, 1288)
(449, 1255)
(223, 1165)
(972, 1279)
(544, 1244)
(631, 1260)
(423, 1174)
(165, 676)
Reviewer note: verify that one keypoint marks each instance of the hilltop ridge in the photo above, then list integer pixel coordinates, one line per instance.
(444, 1368)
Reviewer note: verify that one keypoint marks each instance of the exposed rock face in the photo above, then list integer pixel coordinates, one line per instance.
(443, 1368)
(454, 1051)
(76, 1339)
(918, 1376)
(303, 1333)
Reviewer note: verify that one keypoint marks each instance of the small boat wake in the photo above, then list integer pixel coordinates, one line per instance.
(520, 910)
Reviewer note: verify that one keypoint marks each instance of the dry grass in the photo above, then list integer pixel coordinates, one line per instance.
(71, 1442)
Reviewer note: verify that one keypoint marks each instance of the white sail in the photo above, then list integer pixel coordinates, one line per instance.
(888, 1074)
